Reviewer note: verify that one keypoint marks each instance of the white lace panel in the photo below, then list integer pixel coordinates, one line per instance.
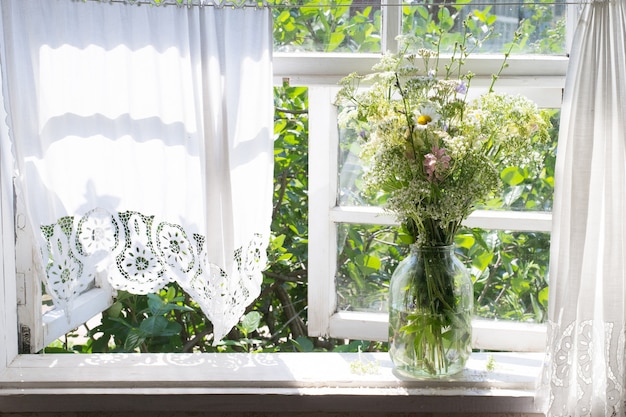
(584, 370)
(143, 146)
(141, 254)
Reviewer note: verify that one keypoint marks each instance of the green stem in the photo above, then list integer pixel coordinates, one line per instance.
(494, 78)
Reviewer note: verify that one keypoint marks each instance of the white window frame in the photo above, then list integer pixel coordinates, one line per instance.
(540, 78)
(36, 328)
(544, 85)
(287, 383)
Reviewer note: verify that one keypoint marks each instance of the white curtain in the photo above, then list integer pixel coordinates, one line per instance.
(143, 141)
(584, 372)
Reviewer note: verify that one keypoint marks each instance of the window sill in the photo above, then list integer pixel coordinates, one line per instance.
(272, 383)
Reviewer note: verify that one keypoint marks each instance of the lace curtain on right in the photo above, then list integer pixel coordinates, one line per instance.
(584, 368)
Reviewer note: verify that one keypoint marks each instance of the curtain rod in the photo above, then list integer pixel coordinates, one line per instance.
(360, 3)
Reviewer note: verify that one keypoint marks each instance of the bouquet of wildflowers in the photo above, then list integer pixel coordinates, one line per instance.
(434, 152)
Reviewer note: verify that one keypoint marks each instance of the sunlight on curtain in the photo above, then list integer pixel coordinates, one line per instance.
(584, 369)
(144, 145)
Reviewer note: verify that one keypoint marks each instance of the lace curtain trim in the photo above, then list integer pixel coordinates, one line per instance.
(584, 358)
(194, 3)
(141, 254)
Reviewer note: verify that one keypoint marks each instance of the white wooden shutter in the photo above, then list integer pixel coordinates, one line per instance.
(39, 325)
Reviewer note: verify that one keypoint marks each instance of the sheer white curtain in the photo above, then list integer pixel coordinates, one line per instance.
(143, 141)
(584, 369)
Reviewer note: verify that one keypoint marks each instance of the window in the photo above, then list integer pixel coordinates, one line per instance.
(538, 76)
(541, 77)
(319, 73)
(334, 215)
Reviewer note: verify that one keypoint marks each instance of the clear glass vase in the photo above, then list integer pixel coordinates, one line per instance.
(431, 302)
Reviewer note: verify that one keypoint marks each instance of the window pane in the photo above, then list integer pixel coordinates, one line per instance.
(509, 269)
(541, 24)
(327, 26)
(530, 188)
(510, 272)
(350, 171)
(366, 257)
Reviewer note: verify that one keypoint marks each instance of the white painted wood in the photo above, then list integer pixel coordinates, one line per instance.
(38, 328)
(510, 220)
(8, 282)
(294, 382)
(509, 335)
(323, 318)
(486, 334)
(391, 25)
(534, 70)
(487, 219)
(322, 196)
(29, 306)
(56, 323)
(362, 215)
(571, 21)
(357, 325)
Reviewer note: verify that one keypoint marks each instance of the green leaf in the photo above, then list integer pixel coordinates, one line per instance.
(303, 344)
(153, 326)
(335, 40)
(512, 176)
(115, 309)
(353, 346)
(250, 322)
(134, 339)
(283, 16)
(100, 345)
(520, 285)
(171, 293)
(465, 240)
(155, 303)
(482, 260)
(173, 328)
(278, 241)
(543, 297)
(368, 263)
(122, 321)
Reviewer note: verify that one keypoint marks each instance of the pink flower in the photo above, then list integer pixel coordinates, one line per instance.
(436, 163)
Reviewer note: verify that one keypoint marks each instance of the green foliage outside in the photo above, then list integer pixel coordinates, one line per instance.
(509, 269)
(355, 26)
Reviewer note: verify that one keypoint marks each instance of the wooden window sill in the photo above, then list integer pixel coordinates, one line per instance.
(264, 382)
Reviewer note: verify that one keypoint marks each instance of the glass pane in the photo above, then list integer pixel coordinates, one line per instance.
(528, 188)
(366, 257)
(540, 24)
(326, 26)
(510, 272)
(350, 169)
(509, 269)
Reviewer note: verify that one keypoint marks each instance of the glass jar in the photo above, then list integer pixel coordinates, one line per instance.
(431, 303)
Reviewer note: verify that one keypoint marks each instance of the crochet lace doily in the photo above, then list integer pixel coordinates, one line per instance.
(141, 254)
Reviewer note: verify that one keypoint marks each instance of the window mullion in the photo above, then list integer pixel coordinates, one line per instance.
(486, 334)
(536, 221)
(29, 298)
(322, 251)
(8, 287)
(391, 24)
